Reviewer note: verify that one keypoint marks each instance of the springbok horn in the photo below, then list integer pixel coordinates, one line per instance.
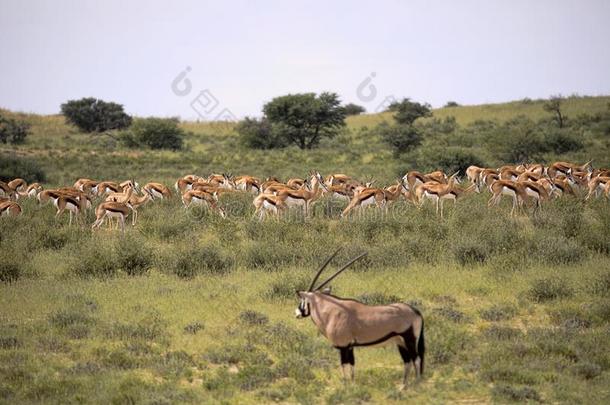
(341, 270)
(321, 269)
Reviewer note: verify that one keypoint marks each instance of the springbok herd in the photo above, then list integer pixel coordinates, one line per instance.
(524, 183)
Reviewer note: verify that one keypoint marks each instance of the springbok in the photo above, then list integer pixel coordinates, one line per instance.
(265, 203)
(437, 192)
(348, 323)
(112, 209)
(157, 191)
(199, 197)
(8, 207)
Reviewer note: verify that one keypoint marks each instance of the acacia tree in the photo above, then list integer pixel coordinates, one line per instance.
(304, 119)
(93, 115)
(554, 106)
(407, 111)
(354, 109)
(404, 136)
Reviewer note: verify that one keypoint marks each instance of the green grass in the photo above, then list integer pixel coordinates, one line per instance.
(190, 308)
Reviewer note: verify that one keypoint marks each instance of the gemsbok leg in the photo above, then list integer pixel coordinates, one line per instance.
(347, 360)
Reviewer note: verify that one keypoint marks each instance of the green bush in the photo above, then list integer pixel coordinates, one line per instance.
(133, 256)
(497, 313)
(505, 391)
(286, 285)
(558, 250)
(563, 142)
(10, 269)
(13, 131)
(196, 260)
(95, 258)
(401, 138)
(93, 115)
(258, 134)
(16, 167)
(155, 133)
(547, 289)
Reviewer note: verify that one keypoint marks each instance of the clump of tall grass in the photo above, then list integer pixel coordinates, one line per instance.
(547, 289)
(95, 258)
(198, 259)
(134, 257)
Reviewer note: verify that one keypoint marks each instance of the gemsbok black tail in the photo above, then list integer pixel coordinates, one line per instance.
(421, 348)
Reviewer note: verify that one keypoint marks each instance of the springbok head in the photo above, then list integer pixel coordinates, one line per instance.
(304, 308)
(316, 177)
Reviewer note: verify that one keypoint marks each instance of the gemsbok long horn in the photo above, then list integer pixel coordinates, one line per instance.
(321, 269)
(341, 270)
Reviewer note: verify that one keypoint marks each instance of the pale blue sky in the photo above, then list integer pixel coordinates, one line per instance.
(247, 52)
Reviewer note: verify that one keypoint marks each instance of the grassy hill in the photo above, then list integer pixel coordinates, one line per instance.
(66, 154)
(187, 307)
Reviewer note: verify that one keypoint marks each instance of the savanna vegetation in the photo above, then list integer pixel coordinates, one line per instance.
(188, 307)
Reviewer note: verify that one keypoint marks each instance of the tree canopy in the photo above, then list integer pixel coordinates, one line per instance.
(304, 119)
(93, 115)
(407, 111)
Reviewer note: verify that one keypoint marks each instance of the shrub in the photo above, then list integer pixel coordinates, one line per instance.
(450, 104)
(401, 138)
(524, 393)
(407, 111)
(150, 326)
(10, 270)
(251, 317)
(549, 289)
(498, 313)
(353, 109)
(519, 140)
(193, 328)
(286, 285)
(95, 259)
(133, 257)
(601, 284)
(156, 133)
(496, 332)
(13, 131)
(204, 259)
(93, 115)
(561, 142)
(452, 314)
(258, 134)
(469, 253)
(558, 250)
(587, 370)
(14, 167)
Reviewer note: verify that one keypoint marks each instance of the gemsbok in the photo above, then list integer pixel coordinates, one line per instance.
(348, 323)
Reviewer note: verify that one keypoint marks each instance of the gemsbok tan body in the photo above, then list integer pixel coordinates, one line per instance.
(348, 324)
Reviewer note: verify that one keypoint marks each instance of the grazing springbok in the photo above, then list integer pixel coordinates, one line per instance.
(348, 323)
(268, 203)
(112, 209)
(199, 197)
(8, 207)
(157, 191)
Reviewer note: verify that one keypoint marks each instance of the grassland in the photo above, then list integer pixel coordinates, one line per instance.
(190, 308)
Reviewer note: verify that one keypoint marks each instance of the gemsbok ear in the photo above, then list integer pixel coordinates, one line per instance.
(327, 290)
